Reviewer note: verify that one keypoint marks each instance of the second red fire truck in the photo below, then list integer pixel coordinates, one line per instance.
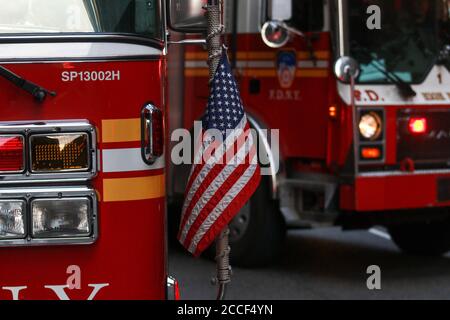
(376, 153)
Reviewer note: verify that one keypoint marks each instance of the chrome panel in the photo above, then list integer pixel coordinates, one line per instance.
(402, 173)
(149, 156)
(28, 128)
(368, 143)
(28, 194)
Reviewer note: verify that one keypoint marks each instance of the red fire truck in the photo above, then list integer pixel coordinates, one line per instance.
(83, 94)
(382, 160)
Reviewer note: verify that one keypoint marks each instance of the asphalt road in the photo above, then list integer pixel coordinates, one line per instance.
(323, 264)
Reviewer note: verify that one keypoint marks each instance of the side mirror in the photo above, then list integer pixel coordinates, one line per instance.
(274, 34)
(280, 10)
(346, 68)
(187, 16)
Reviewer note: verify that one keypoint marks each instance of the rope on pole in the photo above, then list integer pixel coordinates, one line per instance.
(214, 38)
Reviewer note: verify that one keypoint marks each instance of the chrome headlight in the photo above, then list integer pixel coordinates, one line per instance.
(12, 219)
(53, 216)
(370, 126)
(61, 218)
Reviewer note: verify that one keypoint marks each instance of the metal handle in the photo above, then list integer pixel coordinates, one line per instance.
(150, 116)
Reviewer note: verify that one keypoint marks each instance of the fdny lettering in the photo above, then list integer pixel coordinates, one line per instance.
(367, 95)
(433, 96)
(87, 76)
(59, 291)
(284, 95)
(373, 96)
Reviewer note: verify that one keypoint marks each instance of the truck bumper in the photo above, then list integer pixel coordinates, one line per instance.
(396, 191)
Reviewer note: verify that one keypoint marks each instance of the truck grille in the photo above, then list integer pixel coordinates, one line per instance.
(428, 150)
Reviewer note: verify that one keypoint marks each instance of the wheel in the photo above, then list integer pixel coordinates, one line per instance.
(257, 232)
(429, 239)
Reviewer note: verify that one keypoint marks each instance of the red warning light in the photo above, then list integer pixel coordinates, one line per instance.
(418, 125)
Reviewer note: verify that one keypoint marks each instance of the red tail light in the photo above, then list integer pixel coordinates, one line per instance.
(418, 125)
(11, 154)
(177, 291)
(158, 134)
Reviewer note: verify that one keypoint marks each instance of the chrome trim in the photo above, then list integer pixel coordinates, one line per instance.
(263, 17)
(362, 142)
(78, 37)
(200, 42)
(29, 128)
(402, 173)
(164, 29)
(23, 153)
(326, 16)
(147, 114)
(29, 194)
(274, 176)
(342, 27)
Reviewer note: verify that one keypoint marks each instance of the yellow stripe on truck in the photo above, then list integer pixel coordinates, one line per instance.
(196, 72)
(132, 189)
(264, 73)
(260, 55)
(121, 130)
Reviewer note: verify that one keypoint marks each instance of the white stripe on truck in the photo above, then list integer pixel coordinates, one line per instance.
(127, 160)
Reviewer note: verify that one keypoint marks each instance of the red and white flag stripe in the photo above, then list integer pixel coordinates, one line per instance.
(218, 188)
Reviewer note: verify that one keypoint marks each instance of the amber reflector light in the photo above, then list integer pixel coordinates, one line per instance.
(371, 153)
(59, 152)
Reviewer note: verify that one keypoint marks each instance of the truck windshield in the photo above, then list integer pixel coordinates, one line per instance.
(138, 17)
(411, 36)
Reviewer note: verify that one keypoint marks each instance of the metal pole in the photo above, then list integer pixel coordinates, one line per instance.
(355, 125)
(214, 39)
(214, 43)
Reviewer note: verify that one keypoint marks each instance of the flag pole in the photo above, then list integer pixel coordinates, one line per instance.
(214, 44)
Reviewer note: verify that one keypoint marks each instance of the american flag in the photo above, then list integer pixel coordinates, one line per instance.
(225, 172)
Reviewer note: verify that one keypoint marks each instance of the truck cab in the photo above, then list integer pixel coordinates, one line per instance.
(356, 149)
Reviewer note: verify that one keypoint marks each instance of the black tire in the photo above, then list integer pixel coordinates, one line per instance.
(426, 239)
(261, 242)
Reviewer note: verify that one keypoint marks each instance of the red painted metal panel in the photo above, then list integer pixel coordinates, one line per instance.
(409, 191)
(130, 254)
(299, 111)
